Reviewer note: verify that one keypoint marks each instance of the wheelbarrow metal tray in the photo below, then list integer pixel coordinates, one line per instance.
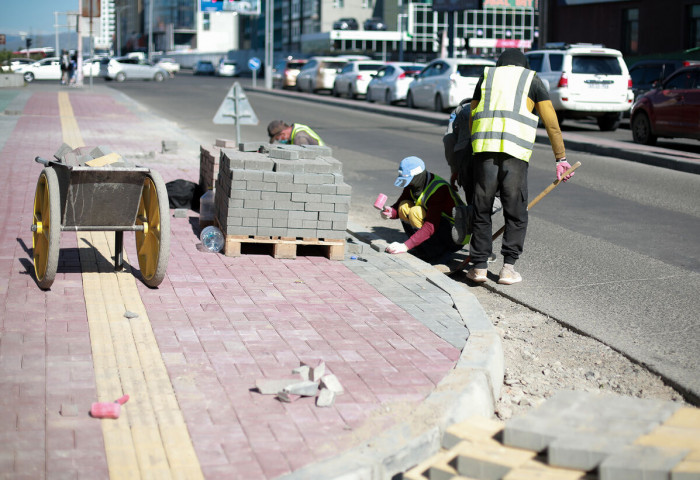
(100, 198)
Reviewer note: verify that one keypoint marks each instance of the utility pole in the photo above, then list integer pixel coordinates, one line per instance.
(269, 43)
(150, 30)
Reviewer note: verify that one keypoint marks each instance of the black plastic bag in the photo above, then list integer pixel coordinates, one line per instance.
(184, 194)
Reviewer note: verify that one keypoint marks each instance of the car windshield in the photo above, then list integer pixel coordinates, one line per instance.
(470, 70)
(296, 65)
(334, 65)
(596, 64)
(368, 67)
(411, 71)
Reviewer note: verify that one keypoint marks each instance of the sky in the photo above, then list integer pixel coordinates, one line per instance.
(33, 16)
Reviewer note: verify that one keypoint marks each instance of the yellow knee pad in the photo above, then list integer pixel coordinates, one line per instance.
(414, 215)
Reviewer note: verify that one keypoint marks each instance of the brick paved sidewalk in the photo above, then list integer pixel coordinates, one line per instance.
(220, 324)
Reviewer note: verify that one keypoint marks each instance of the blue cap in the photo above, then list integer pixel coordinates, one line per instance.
(409, 167)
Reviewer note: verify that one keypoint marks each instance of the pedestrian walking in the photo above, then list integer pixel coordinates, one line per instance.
(72, 69)
(503, 129)
(294, 134)
(65, 66)
(425, 210)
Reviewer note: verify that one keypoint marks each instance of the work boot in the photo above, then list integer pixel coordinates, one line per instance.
(477, 275)
(508, 275)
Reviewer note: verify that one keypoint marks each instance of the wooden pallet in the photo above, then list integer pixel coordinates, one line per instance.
(284, 247)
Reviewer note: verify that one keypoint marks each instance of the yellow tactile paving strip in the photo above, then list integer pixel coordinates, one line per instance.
(150, 439)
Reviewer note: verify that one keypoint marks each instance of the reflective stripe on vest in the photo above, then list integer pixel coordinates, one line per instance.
(433, 185)
(502, 122)
(298, 127)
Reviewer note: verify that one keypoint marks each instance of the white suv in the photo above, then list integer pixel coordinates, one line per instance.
(585, 80)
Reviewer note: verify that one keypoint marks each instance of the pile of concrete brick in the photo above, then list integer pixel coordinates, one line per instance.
(311, 382)
(209, 165)
(285, 191)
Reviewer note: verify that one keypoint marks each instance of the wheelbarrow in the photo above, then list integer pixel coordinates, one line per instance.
(83, 198)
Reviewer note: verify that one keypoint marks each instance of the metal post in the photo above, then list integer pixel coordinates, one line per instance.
(237, 109)
(91, 45)
(401, 17)
(55, 25)
(79, 73)
(118, 249)
(150, 30)
(269, 42)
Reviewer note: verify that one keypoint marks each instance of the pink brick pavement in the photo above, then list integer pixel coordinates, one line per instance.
(221, 323)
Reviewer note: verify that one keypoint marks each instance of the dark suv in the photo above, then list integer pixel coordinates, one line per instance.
(646, 72)
(374, 23)
(346, 24)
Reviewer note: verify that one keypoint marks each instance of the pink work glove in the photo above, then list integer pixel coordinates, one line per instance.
(563, 166)
(389, 213)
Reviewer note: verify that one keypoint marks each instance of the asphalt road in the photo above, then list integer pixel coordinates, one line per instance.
(613, 254)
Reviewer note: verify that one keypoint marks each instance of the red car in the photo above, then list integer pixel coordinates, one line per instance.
(671, 109)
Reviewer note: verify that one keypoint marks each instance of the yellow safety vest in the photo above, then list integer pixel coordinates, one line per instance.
(433, 185)
(502, 122)
(298, 127)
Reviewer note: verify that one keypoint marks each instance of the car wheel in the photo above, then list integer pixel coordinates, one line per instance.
(121, 76)
(439, 107)
(609, 123)
(335, 91)
(29, 77)
(158, 77)
(641, 129)
(409, 100)
(387, 97)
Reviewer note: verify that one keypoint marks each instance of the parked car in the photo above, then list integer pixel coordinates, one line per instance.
(346, 24)
(671, 109)
(284, 74)
(319, 73)
(93, 66)
(374, 23)
(354, 78)
(132, 68)
(169, 65)
(646, 72)
(204, 67)
(45, 69)
(445, 82)
(390, 83)
(227, 68)
(12, 64)
(585, 81)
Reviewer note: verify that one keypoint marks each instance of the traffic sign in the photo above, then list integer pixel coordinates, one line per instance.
(254, 64)
(235, 109)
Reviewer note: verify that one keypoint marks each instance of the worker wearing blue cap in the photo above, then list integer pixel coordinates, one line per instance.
(425, 210)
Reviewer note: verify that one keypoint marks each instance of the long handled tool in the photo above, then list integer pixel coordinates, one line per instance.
(534, 201)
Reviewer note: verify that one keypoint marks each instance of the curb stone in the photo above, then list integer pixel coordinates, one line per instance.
(471, 388)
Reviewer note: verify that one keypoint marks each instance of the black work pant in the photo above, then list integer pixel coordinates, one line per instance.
(494, 172)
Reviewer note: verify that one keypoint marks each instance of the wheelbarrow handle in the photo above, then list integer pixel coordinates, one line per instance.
(43, 161)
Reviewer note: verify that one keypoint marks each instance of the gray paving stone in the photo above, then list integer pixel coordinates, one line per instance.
(638, 462)
(273, 386)
(325, 398)
(585, 451)
(306, 388)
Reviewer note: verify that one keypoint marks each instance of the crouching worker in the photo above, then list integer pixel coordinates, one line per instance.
(294, 134)
(425, 210)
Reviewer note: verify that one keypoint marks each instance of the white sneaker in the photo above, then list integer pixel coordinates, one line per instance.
(477, 275)
(508, 275)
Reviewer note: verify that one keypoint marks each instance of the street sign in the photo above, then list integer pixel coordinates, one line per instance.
(254, 64)
(235, 109)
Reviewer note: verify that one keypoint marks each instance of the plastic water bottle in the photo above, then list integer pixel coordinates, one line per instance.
(212, 239)
(206, 209)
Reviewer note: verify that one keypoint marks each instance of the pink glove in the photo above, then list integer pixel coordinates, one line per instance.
(563, 166)
(389, 213)
(396, 247)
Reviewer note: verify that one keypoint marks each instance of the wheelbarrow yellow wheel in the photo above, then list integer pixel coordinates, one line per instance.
(153, 243)
(47, 228)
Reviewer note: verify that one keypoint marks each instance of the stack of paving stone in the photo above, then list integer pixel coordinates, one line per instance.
(574, 435)
(209, 164)
(287, 195)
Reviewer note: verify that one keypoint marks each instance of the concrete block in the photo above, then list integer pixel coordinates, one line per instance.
(224, 143)
(305, 388)
(259, 163)
(316, 166)
(273, 386)
(250, 222)
(243, 212)
(332, 217)
(273, 214)
(278, 177)
(337, 178)
(324, 225)
(488, 460)
(325, 398)
(239, 185)
(319, 207)
(585, 451)
(303, 371)
(309, 224)
(231, 158)
(641, 462)
(250, 175)
(306, 197)
(321, 150)
(259, 204)
(302, 215)
(246, 194)
(314, 179)
(99, 151)
(291, 187)
(280, 223)
(62, 150)
(264, 222)
(180, 213)
(276, 196)
(262, 186)
(235, 203)
(317, 371)
(335, 164)
(340, 226)
(301, 233)
(252, 146)
(336, 199)
(290, 206)
(341, 207)
(288, 166)
(287, 397)
(343, 189)
(322, 189)
(331, 382)
(284, 154)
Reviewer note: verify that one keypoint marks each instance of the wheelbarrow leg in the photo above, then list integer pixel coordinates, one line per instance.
(118, 248)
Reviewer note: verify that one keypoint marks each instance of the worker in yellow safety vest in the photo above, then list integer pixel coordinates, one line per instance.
(294, 134)
(503, 129)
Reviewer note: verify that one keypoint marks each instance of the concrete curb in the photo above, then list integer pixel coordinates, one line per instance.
(13, 80)
(472, 388)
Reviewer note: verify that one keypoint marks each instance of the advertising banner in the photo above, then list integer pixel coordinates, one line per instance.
(455, 5)
(244, 7)
(510, 3)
